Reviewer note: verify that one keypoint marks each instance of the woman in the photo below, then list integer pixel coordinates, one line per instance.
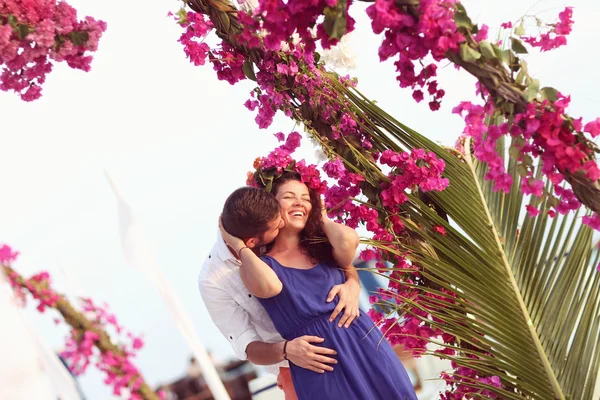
(292, 282)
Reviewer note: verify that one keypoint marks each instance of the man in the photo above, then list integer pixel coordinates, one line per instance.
(253, 214)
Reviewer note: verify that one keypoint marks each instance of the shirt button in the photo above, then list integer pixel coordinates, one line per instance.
(231, 337)
(209, 256)
(249, 295)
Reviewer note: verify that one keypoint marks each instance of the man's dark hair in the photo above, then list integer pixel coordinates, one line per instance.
(247, 212)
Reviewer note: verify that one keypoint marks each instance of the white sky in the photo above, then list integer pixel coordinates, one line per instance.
(177, 141)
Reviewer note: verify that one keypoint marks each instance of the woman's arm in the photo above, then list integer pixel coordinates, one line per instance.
(343, 239)
(258, 277)
(260, 280)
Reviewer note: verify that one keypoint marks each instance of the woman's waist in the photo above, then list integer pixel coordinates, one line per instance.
(308, 322)
(304, 327)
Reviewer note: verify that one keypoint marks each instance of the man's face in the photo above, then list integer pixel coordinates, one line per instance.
(272, 231)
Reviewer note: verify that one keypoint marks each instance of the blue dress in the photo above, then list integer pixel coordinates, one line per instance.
(367, 368)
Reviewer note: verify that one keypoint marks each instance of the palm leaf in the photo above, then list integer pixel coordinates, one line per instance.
(528, 285)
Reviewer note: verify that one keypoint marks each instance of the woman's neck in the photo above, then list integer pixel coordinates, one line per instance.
(286, 241)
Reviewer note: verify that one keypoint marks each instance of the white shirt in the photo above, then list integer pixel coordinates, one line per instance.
(238, 314)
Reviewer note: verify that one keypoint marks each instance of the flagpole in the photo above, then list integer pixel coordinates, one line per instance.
(138, 254)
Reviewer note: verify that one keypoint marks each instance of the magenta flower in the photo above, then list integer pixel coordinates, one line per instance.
(532, 211)
(41, 32)
(593, 127)
(7, 255)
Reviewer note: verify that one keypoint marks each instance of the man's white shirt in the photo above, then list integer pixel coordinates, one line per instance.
(238, 314)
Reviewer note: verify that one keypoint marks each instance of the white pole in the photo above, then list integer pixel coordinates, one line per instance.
(138, 255)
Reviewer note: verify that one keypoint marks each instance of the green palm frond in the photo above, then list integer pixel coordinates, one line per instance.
(529, 292)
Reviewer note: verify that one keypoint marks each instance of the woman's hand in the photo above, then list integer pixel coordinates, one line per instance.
(323, 211)
(235, 243)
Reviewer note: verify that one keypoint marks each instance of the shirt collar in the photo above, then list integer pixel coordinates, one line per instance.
(224, 253)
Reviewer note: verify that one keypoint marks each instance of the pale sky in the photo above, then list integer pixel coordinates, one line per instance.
(177, 141)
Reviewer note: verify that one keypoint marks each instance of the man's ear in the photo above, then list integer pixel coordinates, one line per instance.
(252, 242)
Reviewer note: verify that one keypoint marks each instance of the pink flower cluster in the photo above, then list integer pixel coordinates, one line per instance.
(556, 36)
(32, 33)
(433, 33)
(192, 39)
(409, 171)
(417, 169)
(282, 19)
(460, 388)
(280, 159)
(79, 353)
(7, 255)
(38, 285)
(485, 138)
(543, 132)
(413, 330)
(339, 198)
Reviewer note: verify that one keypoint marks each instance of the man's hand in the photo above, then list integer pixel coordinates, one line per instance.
(348, 294)
(302, 353)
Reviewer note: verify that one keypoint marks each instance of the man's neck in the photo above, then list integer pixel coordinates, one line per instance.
(232, 252)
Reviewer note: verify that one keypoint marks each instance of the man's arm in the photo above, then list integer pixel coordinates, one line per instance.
(299, 351)
(233, 321)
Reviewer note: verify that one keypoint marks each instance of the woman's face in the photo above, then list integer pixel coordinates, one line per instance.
(294, 201)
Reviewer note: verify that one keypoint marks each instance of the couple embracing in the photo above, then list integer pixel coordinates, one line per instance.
(280, 286)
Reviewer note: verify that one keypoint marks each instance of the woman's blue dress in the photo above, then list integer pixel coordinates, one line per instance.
(367, 368)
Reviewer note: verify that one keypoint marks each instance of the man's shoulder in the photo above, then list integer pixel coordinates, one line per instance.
(215, 271)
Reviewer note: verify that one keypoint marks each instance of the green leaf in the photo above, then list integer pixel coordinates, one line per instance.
(182, 14)
(248, 69)
(517, 46)
(79, 38)
(468, 54)
(514, 152)
(527, 160)
(509, 58)
(520, 76)
(550, 93)
(335, 20)
(12, 21)
(520, 30)
(532, 90)
(487, 50)
(499, 53)
(22, 31)
(461, 18)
